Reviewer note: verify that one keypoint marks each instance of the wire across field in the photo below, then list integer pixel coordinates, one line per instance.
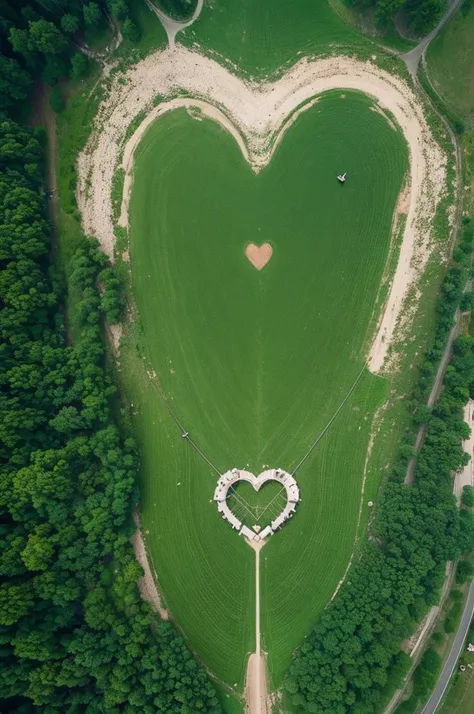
(256, 364)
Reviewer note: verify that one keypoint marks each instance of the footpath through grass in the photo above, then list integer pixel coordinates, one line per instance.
(255, 364)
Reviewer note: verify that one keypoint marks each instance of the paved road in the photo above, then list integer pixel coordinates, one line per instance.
(458, 644)
(412, 58)
(434, 394)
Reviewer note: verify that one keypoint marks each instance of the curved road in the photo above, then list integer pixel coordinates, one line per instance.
(412, 58)
(458, 644)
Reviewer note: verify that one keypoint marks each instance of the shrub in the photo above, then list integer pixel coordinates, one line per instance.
(79, 65)
(56, 101)
(467, 498)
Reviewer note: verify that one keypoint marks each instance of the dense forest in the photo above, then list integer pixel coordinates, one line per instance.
(75, 635)
(47, 39)
(352, 659)
(421, 15)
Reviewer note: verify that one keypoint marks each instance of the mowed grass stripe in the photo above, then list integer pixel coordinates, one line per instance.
(260, 37)
(186, 545)
(255, 364)
(302, 573)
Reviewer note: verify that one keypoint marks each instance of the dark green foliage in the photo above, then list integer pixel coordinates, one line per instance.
(55, 67)
(75, 635)
(464, 572)
(180, 9)
(57, 100)
(451, 622)
(424, 679)
(45, 37)
(14, 82)
(112, 301)
(119, 9)
(40, 36)
(92, 14)
(130, 30)
(79, 65)
(422, 15)
(69, 24)
(468, 496)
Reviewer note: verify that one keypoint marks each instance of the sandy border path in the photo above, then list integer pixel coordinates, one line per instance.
(147, 583)
(256, 685)
(259, 114)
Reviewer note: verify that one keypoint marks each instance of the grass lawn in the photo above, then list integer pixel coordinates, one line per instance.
(451, 62)
(261, 37)
(255, 364)
(460, 697)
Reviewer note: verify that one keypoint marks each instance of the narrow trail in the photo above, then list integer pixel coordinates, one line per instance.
(43, 115)
(172, 26)
(116, 41)
(433, 396)
(256, 683)
(412, 58)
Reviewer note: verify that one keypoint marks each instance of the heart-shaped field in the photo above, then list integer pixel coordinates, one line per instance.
(259, 255)
(254, 364)
(226, 490)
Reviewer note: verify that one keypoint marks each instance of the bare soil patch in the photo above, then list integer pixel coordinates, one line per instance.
(147, 584)
(259, 255)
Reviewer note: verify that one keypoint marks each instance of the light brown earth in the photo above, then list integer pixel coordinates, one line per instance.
(259, 255)
(147, 584)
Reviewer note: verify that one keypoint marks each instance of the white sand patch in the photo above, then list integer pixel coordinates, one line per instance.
(257, 115)
(380, 111)
(147, 584)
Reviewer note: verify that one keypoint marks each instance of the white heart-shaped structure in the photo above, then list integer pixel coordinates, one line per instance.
(232, 477)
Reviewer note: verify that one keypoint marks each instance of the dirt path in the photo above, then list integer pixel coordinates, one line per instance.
(147, 584)
(44, 116)
(256, 686)
(412, 58)
(172, 26)
(422, 638)
(116, 41)
(434, 394)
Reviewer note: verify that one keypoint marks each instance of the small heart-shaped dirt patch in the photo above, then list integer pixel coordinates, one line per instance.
(259, 255)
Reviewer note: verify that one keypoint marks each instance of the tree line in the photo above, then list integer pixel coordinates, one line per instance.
(351, 661)
(74, 633)
(422, 15)
(44, 38)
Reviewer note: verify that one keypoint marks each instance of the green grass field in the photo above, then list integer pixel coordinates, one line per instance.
(261, 37)
(255, 364)
(460, 696)
(451, 62)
